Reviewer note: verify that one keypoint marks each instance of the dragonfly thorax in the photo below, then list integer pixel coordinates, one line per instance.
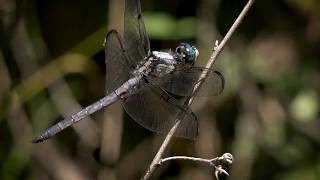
(165, 57)
(163, 63)
(158, 64)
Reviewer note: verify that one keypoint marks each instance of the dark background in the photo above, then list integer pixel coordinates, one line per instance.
(52, 63)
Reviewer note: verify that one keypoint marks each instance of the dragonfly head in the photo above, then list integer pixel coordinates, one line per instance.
(187, 53)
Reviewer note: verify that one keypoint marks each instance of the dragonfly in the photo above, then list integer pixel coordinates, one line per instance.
(148, 82)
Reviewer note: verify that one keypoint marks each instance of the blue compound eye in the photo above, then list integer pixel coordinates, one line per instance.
(189, 53)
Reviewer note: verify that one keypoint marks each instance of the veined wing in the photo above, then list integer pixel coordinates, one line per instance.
(117, 64)
(156, 110)
(182, 81)
(135, 35)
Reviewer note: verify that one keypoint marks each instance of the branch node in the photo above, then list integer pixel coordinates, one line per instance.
(216, 45)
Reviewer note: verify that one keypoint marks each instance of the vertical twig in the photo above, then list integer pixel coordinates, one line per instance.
(210, 63)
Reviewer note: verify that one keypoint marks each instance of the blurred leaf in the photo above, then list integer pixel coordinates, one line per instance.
(16, 161)
(186, 28)
(304, 173)
(91, 44)
(163, 26)
(230, 63)
(305, 106)
(38, 81)
(159, 25)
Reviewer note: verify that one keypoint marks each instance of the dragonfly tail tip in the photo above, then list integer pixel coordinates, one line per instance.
(38, 139)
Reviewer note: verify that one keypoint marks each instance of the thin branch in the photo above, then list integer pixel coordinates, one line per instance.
(213, 57)
(187, 158)
(226, 158)
(219, 163)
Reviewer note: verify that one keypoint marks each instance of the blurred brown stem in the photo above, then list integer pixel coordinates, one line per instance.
(213, 57)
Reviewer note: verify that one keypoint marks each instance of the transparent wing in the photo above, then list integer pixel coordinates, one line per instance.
(117, 65)
(135, 35)
(156, 110)
(181, 82)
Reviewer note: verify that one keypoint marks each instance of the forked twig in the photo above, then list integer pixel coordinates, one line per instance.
(217, 163)
(217, 50)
